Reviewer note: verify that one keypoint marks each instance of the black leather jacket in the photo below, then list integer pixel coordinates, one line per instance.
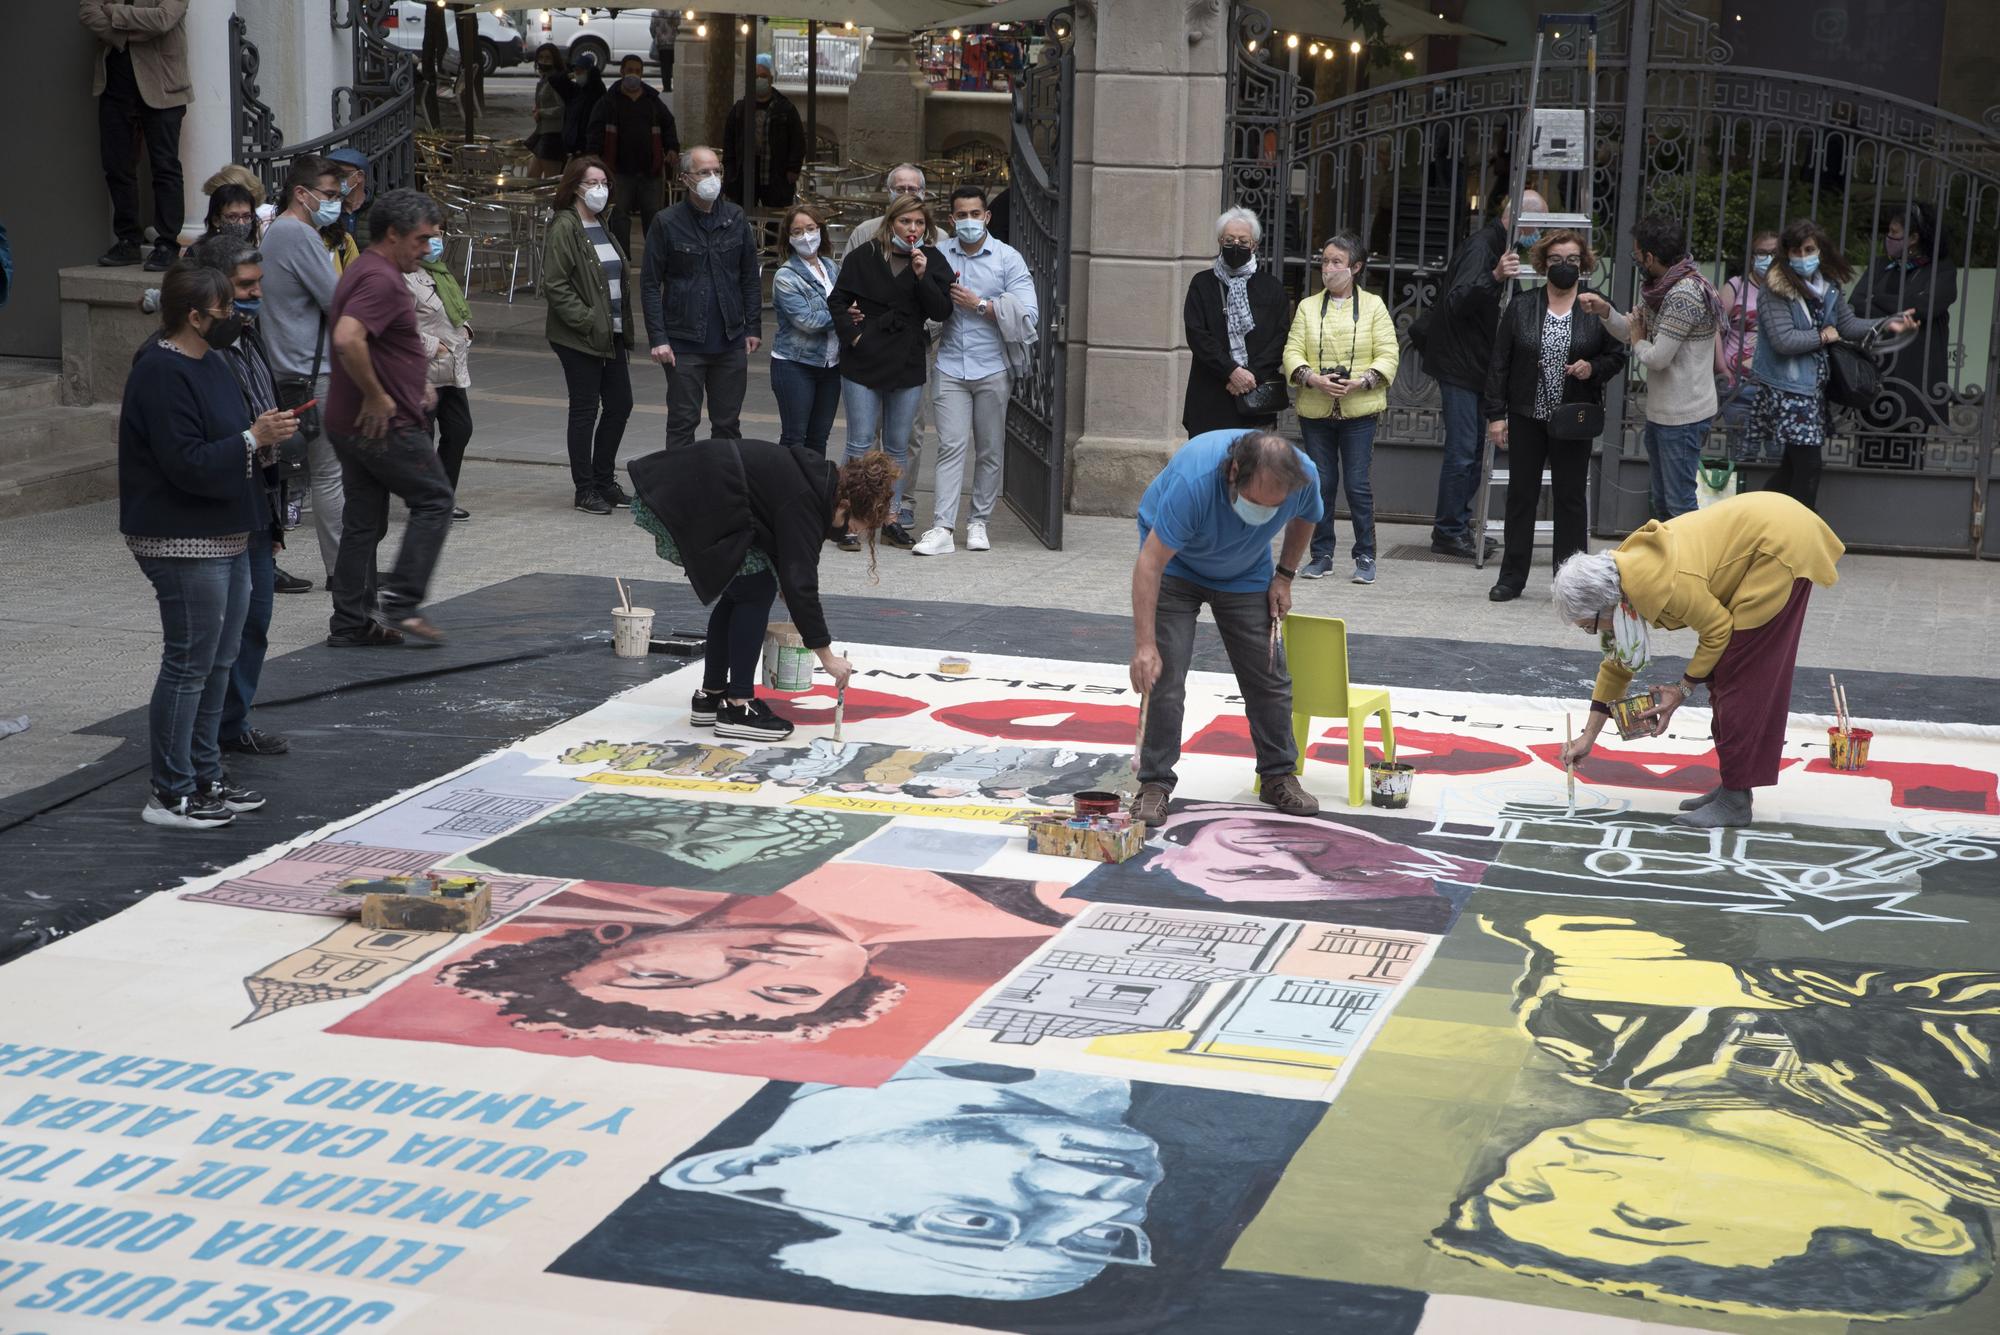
(1515, 372)
(687, 263)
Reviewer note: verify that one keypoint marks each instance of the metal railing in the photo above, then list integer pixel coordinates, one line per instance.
(839, 58)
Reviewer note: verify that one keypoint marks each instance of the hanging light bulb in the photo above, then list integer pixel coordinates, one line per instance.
(689, 16)
(1409, 55)
(1251, 46)
(1354, 48)
(957, 35)
(849, 25)
(1313, 50)
(1292, 42)
(701, 30)
(742, 30)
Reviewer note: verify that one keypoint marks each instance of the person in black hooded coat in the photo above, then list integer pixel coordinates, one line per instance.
(747, 519)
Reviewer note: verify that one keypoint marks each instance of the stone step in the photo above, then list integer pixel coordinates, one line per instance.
(53, 458)
(27, 383)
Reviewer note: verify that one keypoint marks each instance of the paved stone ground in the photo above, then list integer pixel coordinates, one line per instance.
(79, 633)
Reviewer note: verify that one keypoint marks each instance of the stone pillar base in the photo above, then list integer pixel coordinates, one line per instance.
(1109, 474)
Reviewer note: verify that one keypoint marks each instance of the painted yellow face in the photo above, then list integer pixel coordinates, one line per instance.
(1624, 1192)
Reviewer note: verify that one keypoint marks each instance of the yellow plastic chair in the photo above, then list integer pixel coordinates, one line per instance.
(1316, 651)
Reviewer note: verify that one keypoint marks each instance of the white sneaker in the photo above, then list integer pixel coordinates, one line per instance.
(937, 542)
(975, 537)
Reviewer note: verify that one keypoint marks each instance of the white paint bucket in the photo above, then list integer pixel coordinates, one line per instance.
(788, 664)
(631, 631)
(1389, 784)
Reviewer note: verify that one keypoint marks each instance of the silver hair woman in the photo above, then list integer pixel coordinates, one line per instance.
(1738, 574)
(1237, 315)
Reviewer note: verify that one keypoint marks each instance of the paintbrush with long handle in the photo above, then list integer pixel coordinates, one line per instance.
(1139, 742)
(839, 709)
(623, 597)
(1569, 765)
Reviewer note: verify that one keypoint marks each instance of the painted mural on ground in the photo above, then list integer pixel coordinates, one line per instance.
(859, 1050)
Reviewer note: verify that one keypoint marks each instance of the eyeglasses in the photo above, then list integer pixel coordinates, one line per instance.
(1109, 1243)
(702, 176)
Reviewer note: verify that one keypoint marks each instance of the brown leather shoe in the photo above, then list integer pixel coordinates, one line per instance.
(418, 629)
(1150, 807)
(1288, 795)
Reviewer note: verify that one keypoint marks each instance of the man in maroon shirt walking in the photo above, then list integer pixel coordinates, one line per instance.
(377, 405)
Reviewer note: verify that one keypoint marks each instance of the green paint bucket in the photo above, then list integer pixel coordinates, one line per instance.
(788, 664)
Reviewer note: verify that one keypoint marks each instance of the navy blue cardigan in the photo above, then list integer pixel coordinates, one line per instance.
(181, 470)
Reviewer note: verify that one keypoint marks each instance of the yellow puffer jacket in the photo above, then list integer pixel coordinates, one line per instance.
(1361, 340)
(1727, 568)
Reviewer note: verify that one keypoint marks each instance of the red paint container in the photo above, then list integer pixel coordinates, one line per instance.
(1097, 803)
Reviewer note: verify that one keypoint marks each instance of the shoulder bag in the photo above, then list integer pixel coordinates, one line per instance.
(1852, 377)
(292, 391)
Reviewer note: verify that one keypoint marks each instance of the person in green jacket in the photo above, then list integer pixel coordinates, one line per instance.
(590, 326)
(1342, 354)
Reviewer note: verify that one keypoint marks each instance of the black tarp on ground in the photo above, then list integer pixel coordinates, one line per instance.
(526, 654)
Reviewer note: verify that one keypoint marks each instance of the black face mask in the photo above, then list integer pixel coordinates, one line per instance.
(1237, 256)
(223, 333)
(1563, 275)
(240, 230)
(545, 70)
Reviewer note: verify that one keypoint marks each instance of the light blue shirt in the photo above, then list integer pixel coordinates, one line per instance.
(1188, 506)
(970, 347)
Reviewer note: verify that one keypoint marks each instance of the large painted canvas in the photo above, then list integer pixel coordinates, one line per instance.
(772, 1038)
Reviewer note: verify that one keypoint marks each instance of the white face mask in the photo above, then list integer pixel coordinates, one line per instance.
(595, 197)
(806, 243)
(708, 189)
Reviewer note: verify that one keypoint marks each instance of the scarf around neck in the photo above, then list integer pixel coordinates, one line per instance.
(1654, 290)
(1627, 642)
(1236, 306)
(456, 308)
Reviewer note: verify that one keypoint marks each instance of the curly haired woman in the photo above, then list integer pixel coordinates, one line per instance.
(746, 519)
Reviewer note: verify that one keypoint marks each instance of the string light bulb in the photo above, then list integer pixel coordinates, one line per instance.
(1354, 48)
(1326, 53)
(849, 25)
(701, 30)
(742, 30)
(1313, 50)
(1251, 46)
(689, 16)
(1409, 55)
(1292, 42)
(957, 34)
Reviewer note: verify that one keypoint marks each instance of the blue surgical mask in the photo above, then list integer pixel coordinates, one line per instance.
(1527, 238)
(1252, 513)
(900, 244)
(1761, 263)
(1805, 266)
(434, 251)
(326, 213)
(250, 307)
(970, 231)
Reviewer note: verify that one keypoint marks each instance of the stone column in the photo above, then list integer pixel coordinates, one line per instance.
(205, 132)
(690, 95)
(303, 59)
(1147, 187)
(885, 105)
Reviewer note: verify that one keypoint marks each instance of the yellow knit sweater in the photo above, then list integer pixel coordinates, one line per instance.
(1727, 568)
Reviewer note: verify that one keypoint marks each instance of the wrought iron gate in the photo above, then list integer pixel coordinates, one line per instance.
(1038, 185)
(376, 113)
(1732, 151)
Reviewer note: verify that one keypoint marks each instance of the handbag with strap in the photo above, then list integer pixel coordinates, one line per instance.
(292, 391)
(1852, 377)
(1266, 400)
(1576, 421)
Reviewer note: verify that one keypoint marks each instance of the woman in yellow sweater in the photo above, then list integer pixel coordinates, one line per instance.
(1342, 355)
(1738, 574)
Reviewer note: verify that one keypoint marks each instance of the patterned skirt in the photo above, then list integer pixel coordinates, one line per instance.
(1781, 420)
(663, 542)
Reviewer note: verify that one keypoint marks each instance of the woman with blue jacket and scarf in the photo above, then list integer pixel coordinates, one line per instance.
(1802, 311)
(805, 356)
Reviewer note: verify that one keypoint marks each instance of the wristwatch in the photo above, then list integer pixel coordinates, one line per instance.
(983, 306)
(1286, 571)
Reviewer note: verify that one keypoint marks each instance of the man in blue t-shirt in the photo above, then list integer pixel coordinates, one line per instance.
(1205, 530)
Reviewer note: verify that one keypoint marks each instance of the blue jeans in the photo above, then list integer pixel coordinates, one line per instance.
(1343, 446)
(891, 411)
(1732, 418)
(1458, 474)
(202, 602)
(808, 397)
(1673, 457)
(256, 641)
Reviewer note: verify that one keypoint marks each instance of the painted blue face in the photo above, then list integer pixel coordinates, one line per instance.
(942, 1185)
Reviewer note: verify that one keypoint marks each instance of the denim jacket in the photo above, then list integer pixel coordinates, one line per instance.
(687, 263)
(802, 316)
(1789, 353)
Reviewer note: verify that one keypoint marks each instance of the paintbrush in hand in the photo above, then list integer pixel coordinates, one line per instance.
(1569, 765)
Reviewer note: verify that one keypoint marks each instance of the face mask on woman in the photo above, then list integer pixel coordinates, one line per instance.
(902, 243)
(242, 231)
(1893, 246)
(1761, 263)
(1236, 256)
(1563, 275)
(806, 243)
(709, 188)
(434, 249)
(1805, 266)
(1336, 279)
(595, 197)
(223, 333)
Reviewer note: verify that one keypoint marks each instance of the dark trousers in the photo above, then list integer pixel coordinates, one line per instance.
(1798, 475)
(256, 639)
(1244, 621)
(123, 121)
(403, 464)
(808, 397)
(1458, 469)
(600, 403)
(665, 57)
(736, 628)
(720, 376)
(1343, 450)
(1750, 692)
(202, 601)
(1530, 450)
(453, 426)
(633, 196)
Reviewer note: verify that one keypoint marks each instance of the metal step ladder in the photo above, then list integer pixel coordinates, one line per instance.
(1558, 139)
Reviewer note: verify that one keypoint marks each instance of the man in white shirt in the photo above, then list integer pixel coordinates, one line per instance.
(969, 384)
(905, 178)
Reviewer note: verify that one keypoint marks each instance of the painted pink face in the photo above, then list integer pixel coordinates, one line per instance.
(1276, 857)
(739, 972)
